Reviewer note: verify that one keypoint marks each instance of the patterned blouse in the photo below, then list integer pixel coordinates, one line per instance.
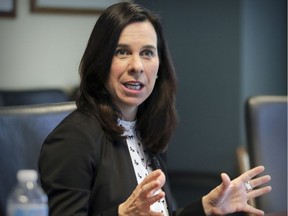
(142, 165)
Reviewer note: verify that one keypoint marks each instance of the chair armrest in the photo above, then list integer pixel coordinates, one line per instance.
(242, 159)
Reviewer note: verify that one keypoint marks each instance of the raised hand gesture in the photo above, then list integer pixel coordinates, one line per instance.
(232, 196)
(144, 196)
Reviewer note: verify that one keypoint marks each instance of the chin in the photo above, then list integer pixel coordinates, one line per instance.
(135, 103)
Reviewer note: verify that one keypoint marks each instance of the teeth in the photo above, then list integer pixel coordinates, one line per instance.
(133, 86)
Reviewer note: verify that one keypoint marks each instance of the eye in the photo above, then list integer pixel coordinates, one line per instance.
(121, 53)
(147, 53)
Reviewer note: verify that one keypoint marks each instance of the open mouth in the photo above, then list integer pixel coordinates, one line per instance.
(133, 86)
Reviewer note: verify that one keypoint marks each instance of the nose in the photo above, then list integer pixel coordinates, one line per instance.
(136, 65)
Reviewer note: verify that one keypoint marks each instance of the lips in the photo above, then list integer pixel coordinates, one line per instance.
(133, 85)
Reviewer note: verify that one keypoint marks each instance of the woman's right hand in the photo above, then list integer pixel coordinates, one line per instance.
(144, 196)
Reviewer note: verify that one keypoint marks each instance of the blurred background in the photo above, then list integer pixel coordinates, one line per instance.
(224, 52)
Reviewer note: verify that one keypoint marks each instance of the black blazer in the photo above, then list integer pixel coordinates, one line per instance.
(83, 173)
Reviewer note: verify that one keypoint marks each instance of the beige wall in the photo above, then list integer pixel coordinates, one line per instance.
(42, 50)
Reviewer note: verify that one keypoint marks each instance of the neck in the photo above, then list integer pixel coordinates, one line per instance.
(129, 114)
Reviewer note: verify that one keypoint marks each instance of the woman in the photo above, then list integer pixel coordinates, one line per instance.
(105, 158)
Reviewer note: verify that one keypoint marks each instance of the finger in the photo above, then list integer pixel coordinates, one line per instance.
(259, 181)
(150, 188)
(251, 173)
(252, 210)
(162, 178)
(151, 176)
(259, 192)
(151, 200)
(141, 194)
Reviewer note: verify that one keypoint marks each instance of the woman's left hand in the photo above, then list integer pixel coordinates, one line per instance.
(232, 196)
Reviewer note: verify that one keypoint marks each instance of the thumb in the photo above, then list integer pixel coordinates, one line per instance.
(225, 181)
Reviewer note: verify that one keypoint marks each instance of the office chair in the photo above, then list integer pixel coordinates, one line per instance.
(266, 130)
(22, 132)
(33, 96)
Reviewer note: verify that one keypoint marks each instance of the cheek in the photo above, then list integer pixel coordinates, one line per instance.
(110, 83)
(152, 68)
(116, 71)
(153, 72)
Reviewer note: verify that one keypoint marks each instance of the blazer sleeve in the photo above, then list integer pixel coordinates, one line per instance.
(68, 166)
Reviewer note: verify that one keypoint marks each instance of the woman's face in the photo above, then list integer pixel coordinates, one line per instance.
(134, 68)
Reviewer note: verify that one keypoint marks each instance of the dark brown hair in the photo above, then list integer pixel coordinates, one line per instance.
(156, 116)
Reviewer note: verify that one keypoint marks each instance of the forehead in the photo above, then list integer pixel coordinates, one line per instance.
(139, 31)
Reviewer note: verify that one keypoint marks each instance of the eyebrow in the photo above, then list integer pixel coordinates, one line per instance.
(146, 46)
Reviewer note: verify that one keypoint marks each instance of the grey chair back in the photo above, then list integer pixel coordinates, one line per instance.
(266, 125)
(33, 96)
(22, 132)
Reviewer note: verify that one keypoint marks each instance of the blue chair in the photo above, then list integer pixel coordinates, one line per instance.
(266, 129)
(22, 132)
